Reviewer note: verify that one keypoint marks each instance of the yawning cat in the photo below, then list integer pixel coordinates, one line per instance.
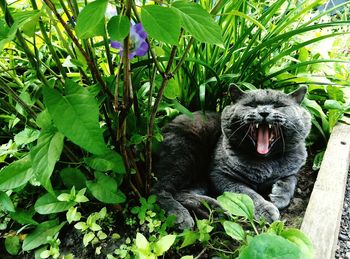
(256, 146)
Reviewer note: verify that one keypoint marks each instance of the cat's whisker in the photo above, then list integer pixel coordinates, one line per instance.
(246, 134)
(293, 127)
(241, 126)
(283, 142)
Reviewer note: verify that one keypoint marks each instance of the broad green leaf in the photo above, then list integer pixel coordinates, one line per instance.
(316, 110)
(173, 89)
(39, 236)
(48, 204)
(190, 237)
(237, 204)
(44, 120)
(142, 243)
(12, 245)
(110, 161)
(333, 104)
(20, 19)
(6, 203)
(270, 246)
(76, 116)
(90, 21)
(73, 177)
(105, 189)
(88, 237)
(198, 22)
(161, 23)
(118, 27)
(301, 240)
(234, 230)
(73, 215)
(26, 136)
(23, 216)
(27, 21)
(163, 244)
(16, 174)
(45, 155)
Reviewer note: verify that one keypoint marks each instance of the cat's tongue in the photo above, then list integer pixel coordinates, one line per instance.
(262, 145)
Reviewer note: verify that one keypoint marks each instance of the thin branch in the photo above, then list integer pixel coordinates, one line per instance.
(90, 63)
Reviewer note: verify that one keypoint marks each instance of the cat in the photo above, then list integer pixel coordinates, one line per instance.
(256, 146)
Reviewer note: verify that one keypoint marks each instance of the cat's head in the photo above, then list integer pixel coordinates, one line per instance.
(265, 122)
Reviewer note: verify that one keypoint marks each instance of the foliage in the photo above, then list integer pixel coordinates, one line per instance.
(80, 120)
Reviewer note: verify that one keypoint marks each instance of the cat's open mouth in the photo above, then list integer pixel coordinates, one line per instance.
(264, 136)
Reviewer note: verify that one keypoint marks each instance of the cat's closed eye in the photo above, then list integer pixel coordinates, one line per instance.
(252, 105)
(279, 105)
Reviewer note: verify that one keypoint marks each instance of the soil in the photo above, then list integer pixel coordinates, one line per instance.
(293, 215)
(343, 246)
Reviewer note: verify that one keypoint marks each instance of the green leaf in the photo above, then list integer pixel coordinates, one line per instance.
(16, 174)
(76, 116)
(173, 89)
(161, 23)
(110, 161)
(73, 215)
(234, 230)
(105, 189)
(118, 27)
(48, 204)
(12, 245)
(333, 104)
(6, 202)
(163, 244)
(301, 240)
(88, 237)
(270, 246)
(45, 155)
(23, 216)
(178, 106)
(190, 237)
(142, 243)
(26, 136)
(27, 21)
(73, 177)
(90, 21)
(198, 22)
(39, 236)
(237, 204)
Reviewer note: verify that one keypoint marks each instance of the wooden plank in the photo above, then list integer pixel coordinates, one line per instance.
(322, 217)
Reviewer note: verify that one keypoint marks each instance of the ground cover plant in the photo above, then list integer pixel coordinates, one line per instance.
(85, 87)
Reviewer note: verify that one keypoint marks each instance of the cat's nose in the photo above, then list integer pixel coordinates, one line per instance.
(264, 114)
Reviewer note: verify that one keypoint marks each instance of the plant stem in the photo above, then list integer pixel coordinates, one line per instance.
(150, 129)
(23, 43)
(14, 95)
(89, 61)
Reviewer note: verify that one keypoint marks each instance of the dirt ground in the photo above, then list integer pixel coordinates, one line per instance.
(293, 215)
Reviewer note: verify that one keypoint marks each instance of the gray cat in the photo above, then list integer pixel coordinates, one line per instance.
(255, 147)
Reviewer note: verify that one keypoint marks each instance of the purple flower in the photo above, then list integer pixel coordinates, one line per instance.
(138, 44)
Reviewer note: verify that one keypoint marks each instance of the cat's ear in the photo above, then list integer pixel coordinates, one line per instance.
(299, 94)
(235, 92)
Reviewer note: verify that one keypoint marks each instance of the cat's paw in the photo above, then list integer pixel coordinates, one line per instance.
(268, 211)
(183, 219)
(280, 196)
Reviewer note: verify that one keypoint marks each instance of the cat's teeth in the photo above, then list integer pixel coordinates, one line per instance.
(257, 125)
(270, 126)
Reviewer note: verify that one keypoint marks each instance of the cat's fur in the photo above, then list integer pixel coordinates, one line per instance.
(256, 147)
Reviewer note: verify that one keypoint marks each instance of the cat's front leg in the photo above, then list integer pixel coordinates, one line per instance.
(263, 208)
(283, 191)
